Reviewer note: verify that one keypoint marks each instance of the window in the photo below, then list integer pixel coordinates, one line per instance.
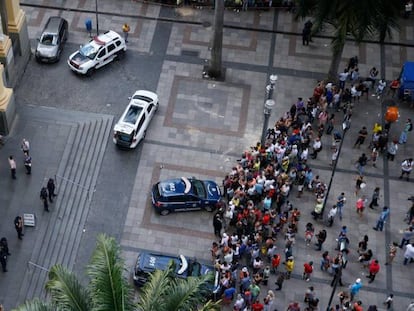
(141, 122)
(149, 109)
(118, 43)
(101, 53)
(111, 47)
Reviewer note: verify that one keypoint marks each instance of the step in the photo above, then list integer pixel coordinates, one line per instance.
(63, 235)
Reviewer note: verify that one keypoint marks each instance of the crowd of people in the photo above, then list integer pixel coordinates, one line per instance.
(258, 226)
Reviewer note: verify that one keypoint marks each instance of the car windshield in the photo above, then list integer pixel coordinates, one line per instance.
(198, 188)
(89, 51)
(48, 39)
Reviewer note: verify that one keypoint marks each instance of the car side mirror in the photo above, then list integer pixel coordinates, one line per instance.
(38, 39)
(129, 97)
(80, 46)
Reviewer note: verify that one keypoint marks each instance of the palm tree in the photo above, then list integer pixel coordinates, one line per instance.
(215, 69)
(359, 19)
(108, 290)
(164, 292)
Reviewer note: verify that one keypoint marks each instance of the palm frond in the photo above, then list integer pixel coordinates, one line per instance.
(108, 288)
(158, 287)
(66, 291)
(210, 306)
(188, 293)
(35, 305)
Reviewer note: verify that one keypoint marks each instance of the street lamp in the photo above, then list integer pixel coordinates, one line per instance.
(270, 87)
(269, 103)
(96, 13)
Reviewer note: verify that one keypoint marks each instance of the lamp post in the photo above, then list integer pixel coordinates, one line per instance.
(96, 13)
(269, 103)
(270, 87)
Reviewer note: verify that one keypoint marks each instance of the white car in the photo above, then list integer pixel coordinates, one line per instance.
(132, 126)
(100, 51)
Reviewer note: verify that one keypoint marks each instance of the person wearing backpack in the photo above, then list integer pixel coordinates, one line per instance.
(406, 167)
(408, 127)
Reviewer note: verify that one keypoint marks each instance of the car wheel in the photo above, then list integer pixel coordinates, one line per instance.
(164, 212)
(120, 55)
(208, 209)
(90, 71)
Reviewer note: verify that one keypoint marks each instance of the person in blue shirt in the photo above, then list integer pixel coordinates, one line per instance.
(381, 220)
(355, 288)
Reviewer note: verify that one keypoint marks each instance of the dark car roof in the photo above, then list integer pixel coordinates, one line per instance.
(183, 266)
(176, 186)
(52, 25)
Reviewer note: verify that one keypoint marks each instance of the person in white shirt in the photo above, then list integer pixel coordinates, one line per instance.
(406, 168)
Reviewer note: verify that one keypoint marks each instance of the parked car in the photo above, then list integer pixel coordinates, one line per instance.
(53, 38)
(101, 50)
(185, 194)
(132, 126)
(148, 262)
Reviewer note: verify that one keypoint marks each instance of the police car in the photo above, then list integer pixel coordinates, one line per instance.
(132, 125)
(148, 262)
(185, 194)
(101, 50)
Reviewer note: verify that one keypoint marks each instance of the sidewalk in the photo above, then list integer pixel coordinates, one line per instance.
(202, 127)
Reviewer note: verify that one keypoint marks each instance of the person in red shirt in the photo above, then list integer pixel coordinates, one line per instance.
(374, 268)
(257, 306)
(275, 262)
(307, 270)
(357, 306)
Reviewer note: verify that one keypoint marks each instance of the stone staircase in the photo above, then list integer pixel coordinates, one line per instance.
(59, 238)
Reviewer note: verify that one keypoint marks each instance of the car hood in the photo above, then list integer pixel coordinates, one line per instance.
(78, 58)
(46, 50)
(213, 190)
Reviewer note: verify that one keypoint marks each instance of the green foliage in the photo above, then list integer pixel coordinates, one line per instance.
(163, 292)
(108, 289)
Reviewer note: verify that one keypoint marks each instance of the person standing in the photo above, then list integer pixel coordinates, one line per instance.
(340, 203)
(392, 252)
(18, 225)
(408, 127)
(360, 206)
(408, 234)
(389, 302)
(355, 288)
(51, 189)
(3, 260)
(217, 224)
(359, 184)
(317, 147)
(374, 268)
(334, 157)
(307, 271)
(392, 149)
(361, 162)
(382, 218)
(4, 246)
(28, 162)
(362, 134)
(409, 253)
(12, 165)
(43, 197)
(289, 266)
(25, 146)
(321, 237)
(125, 30)
(406, 168)
(279, 281)
(306, 32)
(375, 196)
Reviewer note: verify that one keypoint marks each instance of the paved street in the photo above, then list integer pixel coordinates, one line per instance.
(200, 129)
